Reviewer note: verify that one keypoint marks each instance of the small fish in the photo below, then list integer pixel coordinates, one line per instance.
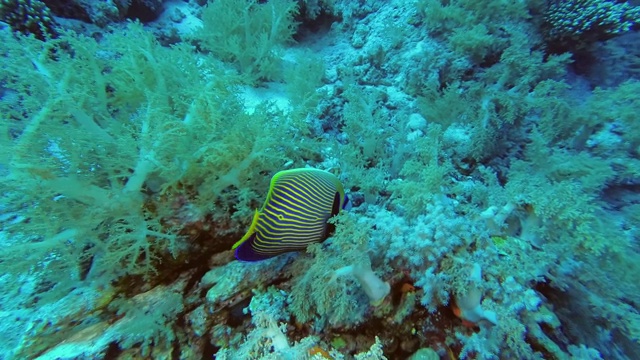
(294, 215)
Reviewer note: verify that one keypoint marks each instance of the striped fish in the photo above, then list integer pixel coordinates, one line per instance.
(294, 215)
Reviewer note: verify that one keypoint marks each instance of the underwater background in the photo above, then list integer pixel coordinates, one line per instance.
(488, 153)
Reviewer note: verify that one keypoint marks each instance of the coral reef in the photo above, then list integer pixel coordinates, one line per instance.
(493, 171)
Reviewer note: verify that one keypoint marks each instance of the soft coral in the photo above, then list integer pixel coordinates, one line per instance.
(375, 288)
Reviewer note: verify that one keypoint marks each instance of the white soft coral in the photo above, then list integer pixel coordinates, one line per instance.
(469, 307)
(375, 288)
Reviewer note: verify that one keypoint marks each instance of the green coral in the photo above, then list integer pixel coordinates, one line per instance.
(477, 29)
(249, 34)
(120, 154)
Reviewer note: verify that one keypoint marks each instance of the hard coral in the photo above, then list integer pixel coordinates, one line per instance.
(575, 24)
(28, 17)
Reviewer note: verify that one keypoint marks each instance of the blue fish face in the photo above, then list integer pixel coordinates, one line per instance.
(347, 203)
(244, 251)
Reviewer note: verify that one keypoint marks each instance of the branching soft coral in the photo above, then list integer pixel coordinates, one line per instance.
(315, 297)
(107, 137)
(248, 33)
(338, 285)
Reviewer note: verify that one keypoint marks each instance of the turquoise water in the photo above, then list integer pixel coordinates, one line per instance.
(489, 150)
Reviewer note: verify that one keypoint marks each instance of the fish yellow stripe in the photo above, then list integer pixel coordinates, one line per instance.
(300, 196)
(286, 210)
(279, 219)
(312, 188)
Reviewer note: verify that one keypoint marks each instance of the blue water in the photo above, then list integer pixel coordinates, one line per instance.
(490, 151)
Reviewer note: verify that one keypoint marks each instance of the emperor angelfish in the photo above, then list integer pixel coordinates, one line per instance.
(294, 215)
